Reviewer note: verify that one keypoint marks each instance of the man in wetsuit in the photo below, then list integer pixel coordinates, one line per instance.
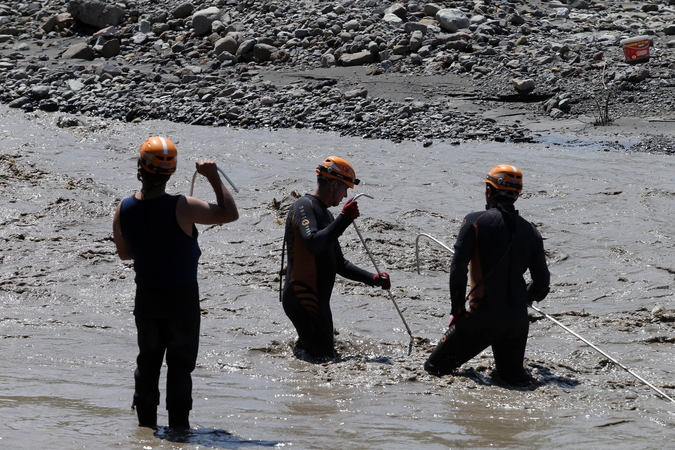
(498, 246)
(157, 230)
(314, 257)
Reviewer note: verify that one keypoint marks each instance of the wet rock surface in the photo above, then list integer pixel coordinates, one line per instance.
(453, 70)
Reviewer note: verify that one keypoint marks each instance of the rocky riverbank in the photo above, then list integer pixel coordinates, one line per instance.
(453, 70)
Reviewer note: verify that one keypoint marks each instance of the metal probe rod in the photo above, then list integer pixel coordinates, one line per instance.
(391, 297)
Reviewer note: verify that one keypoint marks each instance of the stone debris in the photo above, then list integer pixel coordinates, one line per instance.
(185, 60)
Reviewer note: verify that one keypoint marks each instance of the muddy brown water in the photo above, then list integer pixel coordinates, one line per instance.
(67, 337)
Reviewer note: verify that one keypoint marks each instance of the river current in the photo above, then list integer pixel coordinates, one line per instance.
(67, 336)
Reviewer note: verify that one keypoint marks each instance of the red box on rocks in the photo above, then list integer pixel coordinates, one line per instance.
(636, 49)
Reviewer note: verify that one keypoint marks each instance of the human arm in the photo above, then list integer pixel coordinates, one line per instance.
(464, 247)
(122, 247)
(538, 288)
(352, 272)
(307, 219)
(191, 210)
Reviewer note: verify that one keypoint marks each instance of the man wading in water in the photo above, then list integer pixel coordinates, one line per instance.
(157, 230)
(499, 246)
(314, 256)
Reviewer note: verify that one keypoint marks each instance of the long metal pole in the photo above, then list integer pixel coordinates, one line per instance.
(391, 296)
(417, 247)
(577, 335)
(602, 353)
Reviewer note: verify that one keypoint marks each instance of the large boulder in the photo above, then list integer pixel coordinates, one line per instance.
(451, 19)
(95, 13)
(202, 20)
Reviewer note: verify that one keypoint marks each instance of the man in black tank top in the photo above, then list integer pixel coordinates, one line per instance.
(495, 247)
(315, 257)
(157, 231)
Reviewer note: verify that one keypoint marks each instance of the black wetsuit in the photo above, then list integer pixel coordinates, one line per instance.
(499, 246)
(314, 257)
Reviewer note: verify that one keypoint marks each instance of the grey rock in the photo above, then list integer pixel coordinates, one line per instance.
(75, 85)
(144, 26)
(430, 9)
(168, 78)
(578, 4)
(49, 24)
(638, 74)
(565, 105)
(392, 19)
(95, 13)
(68, 122)
(263, 52)
(523, 85)
(226, 56)
(452, 19)
(111, 48)
(139, 38)
(245, 47)
(409, 27)
(108, 68)
(416, 41)
(352, 25)
(19, 102)
(39, 92)
(356, 59)
(562, 13)
(226, 44)
(202, 20)
(79, 51)
(327, 60)
(556, 113)
(398, 10)
(48, 105)
(183, 10)
(356, 93)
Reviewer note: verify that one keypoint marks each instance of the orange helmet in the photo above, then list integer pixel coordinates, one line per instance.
(506, 178)
(338, 169)
(158, 155)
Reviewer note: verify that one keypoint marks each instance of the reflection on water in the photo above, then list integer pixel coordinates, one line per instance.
(210, 438)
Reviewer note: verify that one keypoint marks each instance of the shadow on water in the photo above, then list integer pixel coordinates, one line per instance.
(300, 353)
(546, 377)
(209, 438)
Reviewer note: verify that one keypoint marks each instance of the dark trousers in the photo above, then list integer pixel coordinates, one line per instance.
(167, 321)
(313, 322)
(468, 337)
